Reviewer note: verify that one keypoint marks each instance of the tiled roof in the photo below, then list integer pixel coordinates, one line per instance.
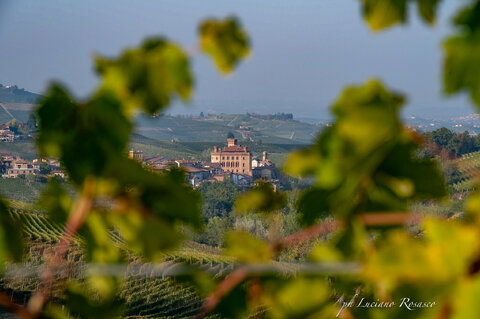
(191, 169)
(234, 148)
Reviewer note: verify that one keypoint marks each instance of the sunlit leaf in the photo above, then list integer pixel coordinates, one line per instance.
(367, 115)
(404, 259)
(149, 77)
(383, 14)
(225, 42)
(246, 248)
(297, 298)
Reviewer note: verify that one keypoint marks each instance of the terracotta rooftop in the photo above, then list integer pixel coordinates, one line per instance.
(191, 169)
(234, 148)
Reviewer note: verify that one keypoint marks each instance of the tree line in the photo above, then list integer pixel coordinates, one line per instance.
(453, 144)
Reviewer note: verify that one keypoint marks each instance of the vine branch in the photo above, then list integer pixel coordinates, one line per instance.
(76, 218)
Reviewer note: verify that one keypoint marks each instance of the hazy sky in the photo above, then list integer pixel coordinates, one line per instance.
(304, 52)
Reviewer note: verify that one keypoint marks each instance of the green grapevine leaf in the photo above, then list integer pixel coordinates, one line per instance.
(149, 77)
(382, 14)
(56, 202)
(261, 198)
(83, 305)
(297, 298)
(11, 236)
(246, 248)
(85, 137)
(225, 42)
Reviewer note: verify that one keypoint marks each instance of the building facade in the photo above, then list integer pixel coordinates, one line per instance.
(137, 155)
(21, 167)
(233, 158)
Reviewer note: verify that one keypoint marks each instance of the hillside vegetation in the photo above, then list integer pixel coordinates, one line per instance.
(16, 95)
(216, 127)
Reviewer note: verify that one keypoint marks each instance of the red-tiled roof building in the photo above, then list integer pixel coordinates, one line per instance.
(233, 158)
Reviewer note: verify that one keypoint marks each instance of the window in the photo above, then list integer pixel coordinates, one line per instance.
(243, 164)
(237, 158)
(228, 157)
(223, 157)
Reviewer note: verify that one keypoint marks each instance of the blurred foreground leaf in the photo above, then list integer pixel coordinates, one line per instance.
(225, 42)
(149, 77)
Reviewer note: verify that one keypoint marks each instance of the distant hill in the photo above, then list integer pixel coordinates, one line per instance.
(277, 128)
(12, 94)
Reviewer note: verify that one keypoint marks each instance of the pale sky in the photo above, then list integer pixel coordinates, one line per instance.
(304, 52)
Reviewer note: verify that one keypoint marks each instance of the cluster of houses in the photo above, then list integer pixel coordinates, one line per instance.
(6, 134)
(233, 161)
(13, 166)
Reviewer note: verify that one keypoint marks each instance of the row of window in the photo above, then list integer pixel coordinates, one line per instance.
(232, 164)
(20, 171)
(233, 158)
(28, 166)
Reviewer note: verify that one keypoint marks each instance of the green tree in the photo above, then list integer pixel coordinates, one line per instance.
(45, 169)
(32, 122)
(218, 198)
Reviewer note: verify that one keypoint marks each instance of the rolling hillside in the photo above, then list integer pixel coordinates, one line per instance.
(147, 295)
(468, 166)
(12, 94)
(215, 128)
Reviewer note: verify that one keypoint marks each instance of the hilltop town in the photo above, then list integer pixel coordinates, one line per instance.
(233, 161)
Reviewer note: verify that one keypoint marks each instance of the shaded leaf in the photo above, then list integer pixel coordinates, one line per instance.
(11, 236)
(313, 204)
(56, 201)
(85, 137)
(262, 198)
(83, 305)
